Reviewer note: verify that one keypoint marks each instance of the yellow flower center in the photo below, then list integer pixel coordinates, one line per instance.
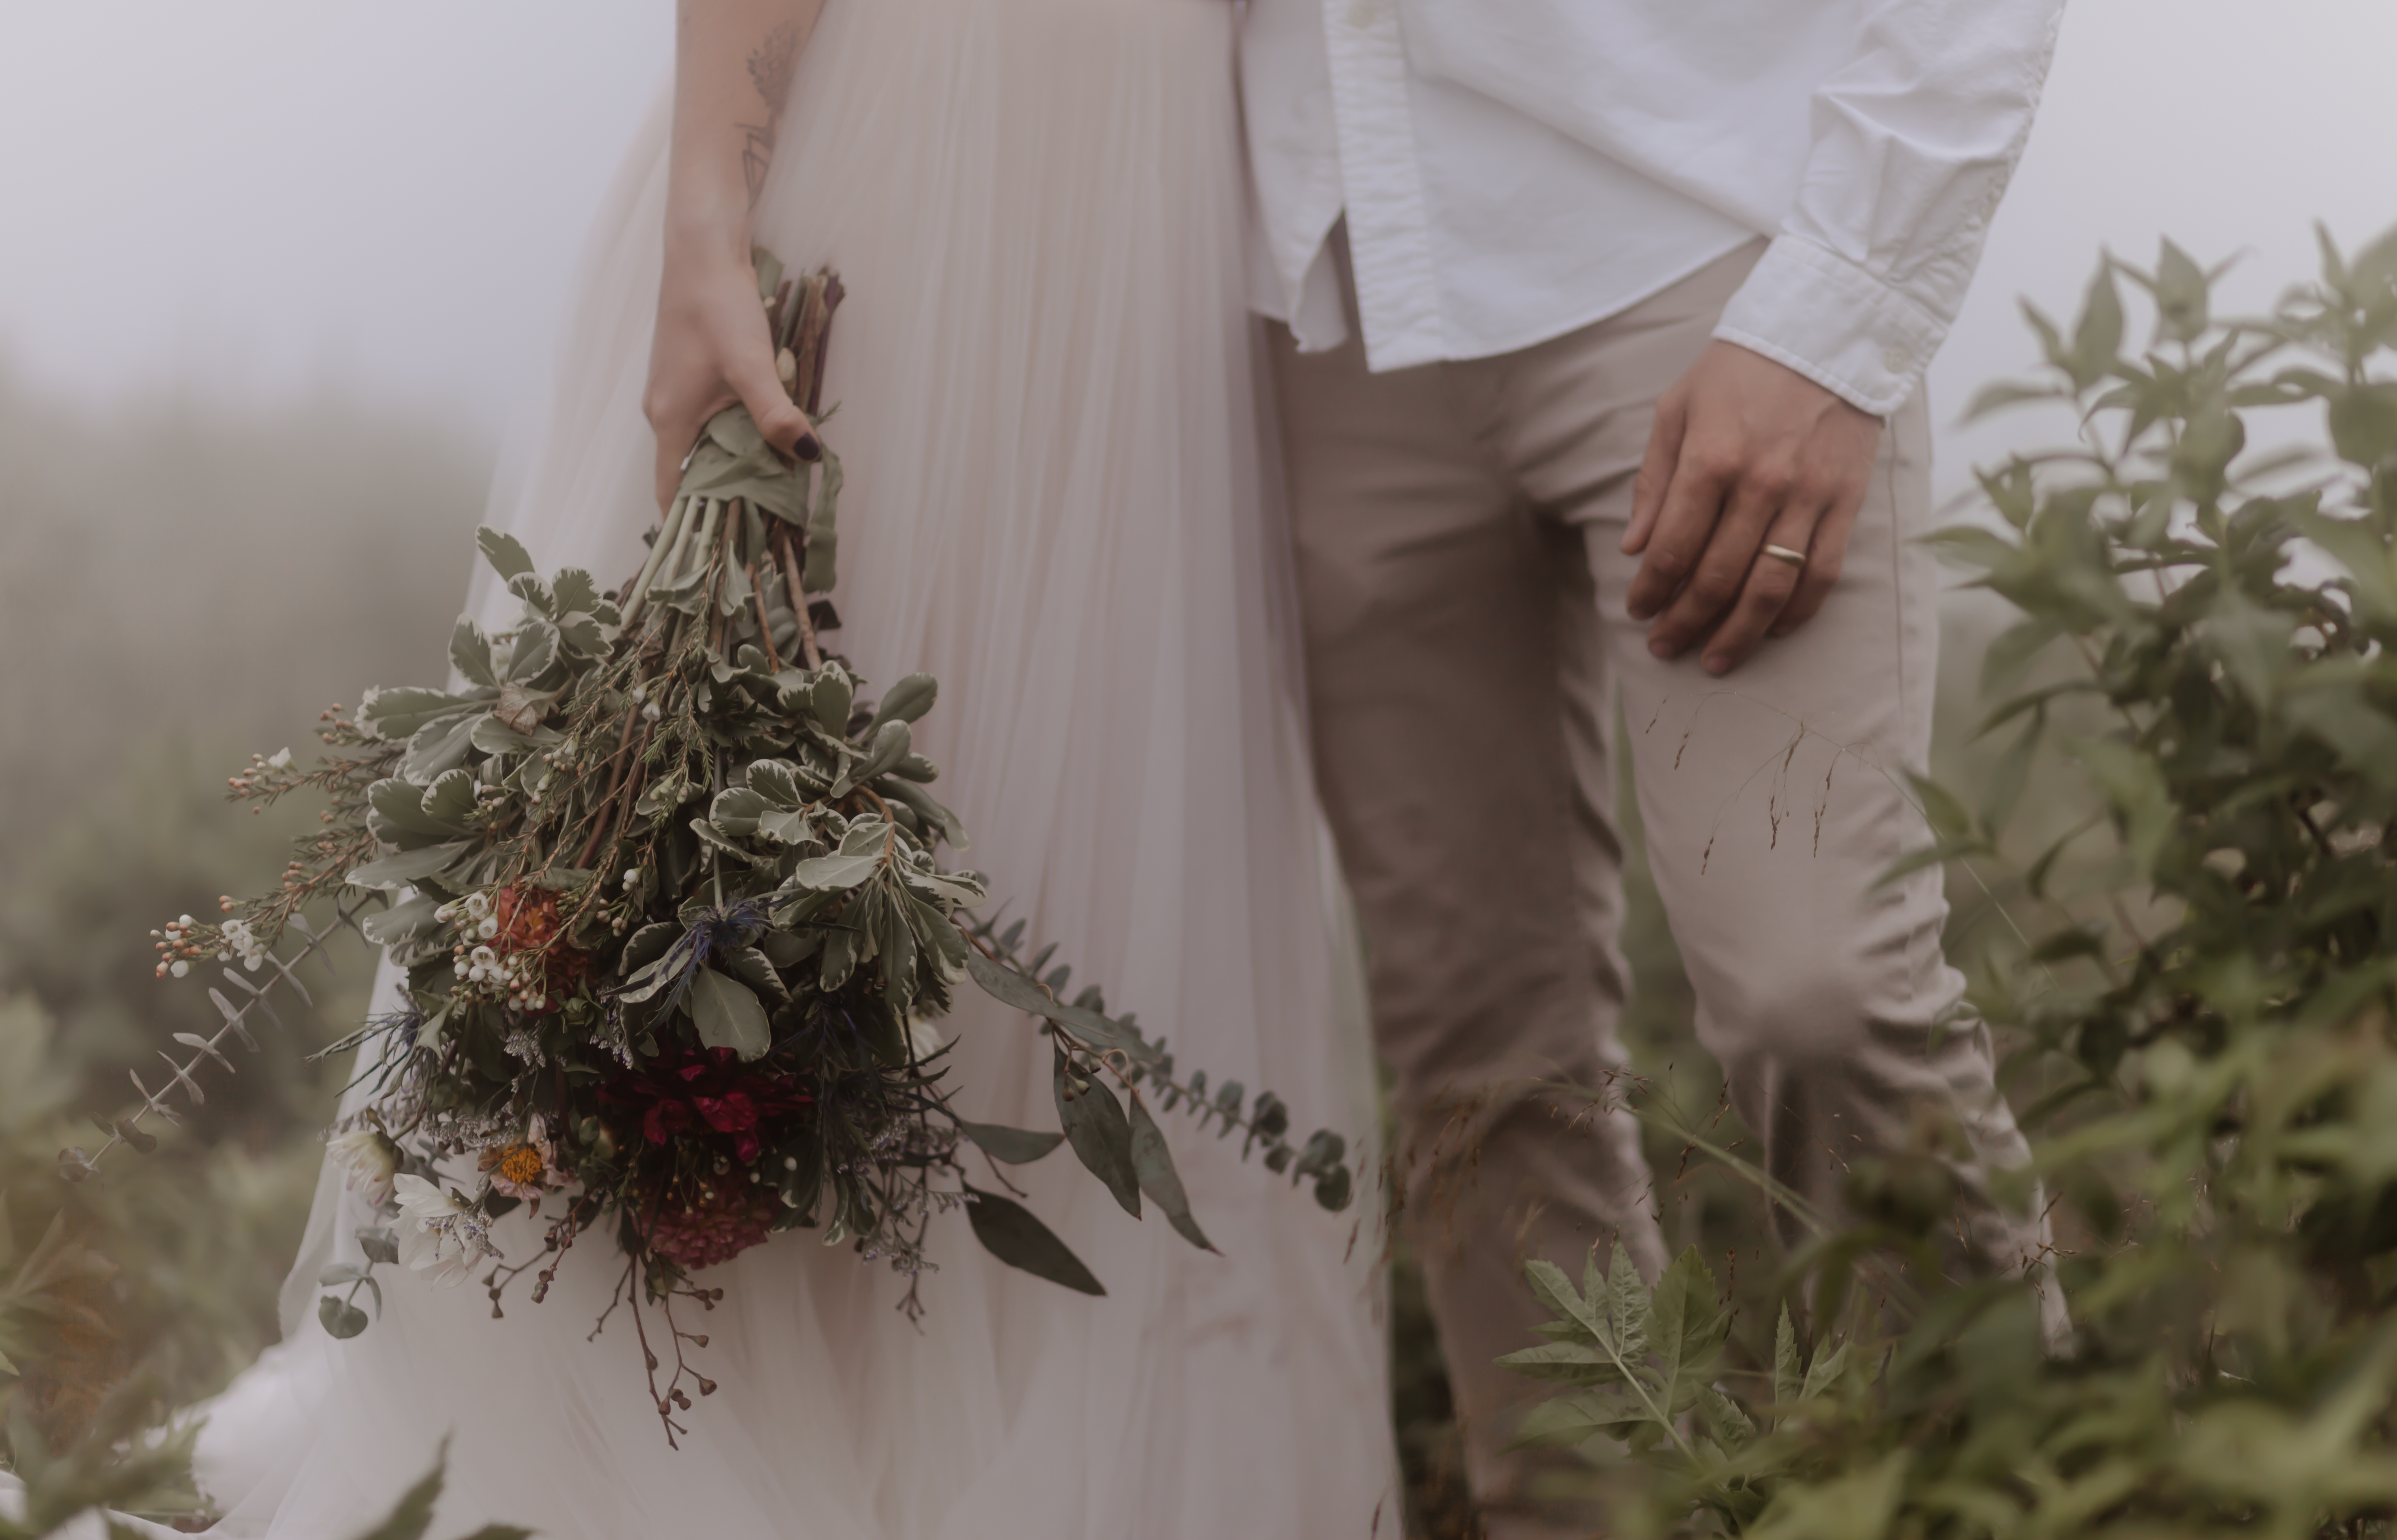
(521, 1164)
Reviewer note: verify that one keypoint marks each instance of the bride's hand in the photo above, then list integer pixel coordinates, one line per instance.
(711, 350)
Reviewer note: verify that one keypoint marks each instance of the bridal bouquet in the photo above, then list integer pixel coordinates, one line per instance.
(663, 875)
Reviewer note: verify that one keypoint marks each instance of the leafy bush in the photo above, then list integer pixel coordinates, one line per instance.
(2184, 837)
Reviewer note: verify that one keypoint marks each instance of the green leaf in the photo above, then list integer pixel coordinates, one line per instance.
(2013, 650)
(2181, 295)
(1858, 1505)
(2012, 773)
(470, 654)
(728, 1015)
(449, 803)
(575, 590)
(1096, 1127)
(1627, 1305)
(1787, 1382)
(1152, 1163)
(536, 649)
(1570, 1420)
(906, 702)
(889, 746)
(395, 814)
(437, 748)
(835, 873)
(776, 781)
(1564, 1362)
(400, 713)
(2097, 335)
(929, 809)
(1009, 1232)
(2355, 545)
(492, 736)
(1556, 1291)
(1725, 1418)
(1016, 1146)
(830, 700)
(647, 945)
(402, 922)
(406, 868)
(341, 1318)
(1971, 545)
(2135, 786)
(1825, 1373)
(505, 552)
(1687, 1329)
(1999, 394)
(1941, 809)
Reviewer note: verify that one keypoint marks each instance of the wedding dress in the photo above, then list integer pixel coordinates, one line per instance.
(1057, 504)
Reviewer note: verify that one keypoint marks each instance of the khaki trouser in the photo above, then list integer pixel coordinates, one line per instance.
(1457, 528)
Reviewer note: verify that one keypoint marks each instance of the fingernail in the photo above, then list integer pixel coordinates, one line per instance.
(1660, 650)
(1718, 666)
(807, 447)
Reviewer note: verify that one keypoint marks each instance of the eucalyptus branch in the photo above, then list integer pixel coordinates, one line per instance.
(75, 1166)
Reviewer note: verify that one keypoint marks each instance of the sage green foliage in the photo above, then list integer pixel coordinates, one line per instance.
(2197, 974)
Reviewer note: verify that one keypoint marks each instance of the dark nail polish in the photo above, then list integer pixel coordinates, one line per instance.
(807, 447)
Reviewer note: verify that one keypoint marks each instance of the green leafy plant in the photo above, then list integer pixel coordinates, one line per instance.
(2182, 848)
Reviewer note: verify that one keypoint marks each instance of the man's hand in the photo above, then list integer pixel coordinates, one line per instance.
(1746, 452)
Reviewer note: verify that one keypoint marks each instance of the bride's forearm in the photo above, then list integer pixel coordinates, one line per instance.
(733, 62)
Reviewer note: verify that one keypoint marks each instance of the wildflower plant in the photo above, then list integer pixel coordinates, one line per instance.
(2187, 925)
(662, 874)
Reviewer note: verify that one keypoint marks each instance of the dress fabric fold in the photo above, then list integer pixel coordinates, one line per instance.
(1060, 503)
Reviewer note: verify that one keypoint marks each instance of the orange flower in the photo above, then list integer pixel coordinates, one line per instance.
(528, 921)
(524, 1168)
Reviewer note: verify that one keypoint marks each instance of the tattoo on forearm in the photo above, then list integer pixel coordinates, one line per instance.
(770, 72)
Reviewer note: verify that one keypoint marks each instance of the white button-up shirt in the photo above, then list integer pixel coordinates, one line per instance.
(1513, 170)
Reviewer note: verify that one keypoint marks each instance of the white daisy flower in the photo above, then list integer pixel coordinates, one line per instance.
(439, 1235)
(371, 1160)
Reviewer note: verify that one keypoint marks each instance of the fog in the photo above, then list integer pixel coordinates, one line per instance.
(276, 276)
(269, 199)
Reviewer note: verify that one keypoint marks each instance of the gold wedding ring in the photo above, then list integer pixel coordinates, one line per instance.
(1783, 553)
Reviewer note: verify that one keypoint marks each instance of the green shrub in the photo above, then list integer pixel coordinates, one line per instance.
(2184, 845)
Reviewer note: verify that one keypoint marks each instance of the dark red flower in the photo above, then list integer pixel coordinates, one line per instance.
(683, 1088)
(715, 1224)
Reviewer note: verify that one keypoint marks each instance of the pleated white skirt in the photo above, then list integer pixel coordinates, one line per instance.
(1059, 505)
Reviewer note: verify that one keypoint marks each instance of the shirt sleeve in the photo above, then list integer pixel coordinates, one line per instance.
(1914, 140)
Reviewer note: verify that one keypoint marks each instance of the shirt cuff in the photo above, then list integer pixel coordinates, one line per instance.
(1834, 323)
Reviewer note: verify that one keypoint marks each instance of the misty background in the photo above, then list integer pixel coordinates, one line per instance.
(277, 277)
